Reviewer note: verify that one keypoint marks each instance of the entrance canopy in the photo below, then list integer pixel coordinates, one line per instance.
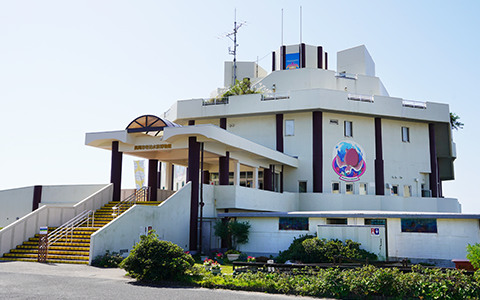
(150, 137)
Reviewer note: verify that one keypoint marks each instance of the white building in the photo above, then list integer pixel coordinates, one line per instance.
(322, 147)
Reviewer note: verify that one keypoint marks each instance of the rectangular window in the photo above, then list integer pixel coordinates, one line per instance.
(332, 221)
(336, 187)
(375, 221)
(419, 225)
(405, 134)
(289, 127)
(394, 190)
(348, 128)
(362, 188)
(349, 188)
(407, 191)
(293, 224)
(302, 186)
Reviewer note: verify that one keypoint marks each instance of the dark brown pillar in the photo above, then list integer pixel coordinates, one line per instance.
(172, 177)
(206, 177)
(281, 180)
(152, 179)
(317, 151)
(37, 196)
(223, 123)
(379, 166)
(279, 118)
(326, 61)
(273, 61)
(194, 176)
(434, 178)
(191, 122)
(302, 56)
(283, 57)
(267, 179)
(320, 57)
(116, 171)
(223, 169)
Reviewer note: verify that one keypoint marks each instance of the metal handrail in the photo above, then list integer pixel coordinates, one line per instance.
(130, 201)
(214, 101)
(276, 96)
(67, 228)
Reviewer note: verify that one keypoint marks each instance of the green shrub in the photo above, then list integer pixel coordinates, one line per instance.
(152, 259)
(108, 260)
(234, 232)
(473, 254)
(310, 249)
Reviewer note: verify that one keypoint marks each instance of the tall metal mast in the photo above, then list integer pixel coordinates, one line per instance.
(234, 40)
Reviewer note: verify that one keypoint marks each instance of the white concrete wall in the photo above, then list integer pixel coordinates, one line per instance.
(239, 197)
(259, 129)
(449, 243)
(56, 194)
(171, 220)
(342, 202)
(49, 215)
(15, 203)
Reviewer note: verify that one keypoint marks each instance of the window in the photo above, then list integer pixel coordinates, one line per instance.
(394, 190)
(362, 188)
(302, 186)
(419, 225)
(289, 127)
(332, 221)
(348, 128)
(336, 187)
(375, 221)
(407, 191)
(293, 224)
(405, 134)
(349, 188)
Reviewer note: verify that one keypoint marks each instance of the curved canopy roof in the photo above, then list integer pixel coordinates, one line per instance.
(148, 124)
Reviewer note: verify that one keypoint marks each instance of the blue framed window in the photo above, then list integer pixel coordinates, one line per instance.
(293, 224)
(419, 225)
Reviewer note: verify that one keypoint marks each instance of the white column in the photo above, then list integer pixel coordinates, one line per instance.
(236, 173)
(255, 178)
(168, 175)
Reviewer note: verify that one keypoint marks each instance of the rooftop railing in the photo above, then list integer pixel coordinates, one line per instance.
(214, 101)
(362, 98)
(276, 96)
(346, 75)
(414, 104)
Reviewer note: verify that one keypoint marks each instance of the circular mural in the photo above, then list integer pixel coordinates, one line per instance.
(348, 161)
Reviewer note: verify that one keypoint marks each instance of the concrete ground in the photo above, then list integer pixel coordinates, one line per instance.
(24, 280)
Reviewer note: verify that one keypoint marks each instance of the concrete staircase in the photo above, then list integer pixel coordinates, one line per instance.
(74, 249)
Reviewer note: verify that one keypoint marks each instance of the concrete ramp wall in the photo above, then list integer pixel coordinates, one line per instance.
(171, 221)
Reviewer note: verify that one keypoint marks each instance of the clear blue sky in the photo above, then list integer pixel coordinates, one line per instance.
(70, 67)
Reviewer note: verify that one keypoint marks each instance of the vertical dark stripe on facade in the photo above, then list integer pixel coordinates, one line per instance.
(116, 171)
(326, 61)
(172, 177)
(302, 56)
(320, 57)
(267, 179)
(283, 57)
(281, 180)
(317, 151)
(206, 177)
(434, 178)
(223, 169)
(152, 178)
(279, 118)
(193, 167)
(223, 123)
(273, 61)
(37, 197)
(379, 172)
(191, 122)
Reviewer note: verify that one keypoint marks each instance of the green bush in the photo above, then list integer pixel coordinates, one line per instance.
(108, 260)
(473, 254)
(310, 249)
(152, 259)
(236, 233)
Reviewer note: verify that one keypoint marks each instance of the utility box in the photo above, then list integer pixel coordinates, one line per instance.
(371, 237)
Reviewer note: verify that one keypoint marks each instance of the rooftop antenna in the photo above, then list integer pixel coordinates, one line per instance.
(282, 28)
(300, 24)
(234, 40)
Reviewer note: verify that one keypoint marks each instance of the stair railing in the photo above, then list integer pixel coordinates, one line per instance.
(139, 195)
(84, 219)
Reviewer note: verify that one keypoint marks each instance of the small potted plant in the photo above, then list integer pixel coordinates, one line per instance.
(207, 263)
(251, 259)
(232, 254)
(216, 268)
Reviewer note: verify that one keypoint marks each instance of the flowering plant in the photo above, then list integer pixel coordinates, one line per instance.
(208, 262)
(216, 266)
(251, 259)
(219, 256)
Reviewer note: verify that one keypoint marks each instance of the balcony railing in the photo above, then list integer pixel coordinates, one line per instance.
(276, 96)
(214, 101)
(414, 104)
(362, 98)
(346, 75)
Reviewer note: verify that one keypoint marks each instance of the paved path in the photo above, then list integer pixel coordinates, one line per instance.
(24, 280)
